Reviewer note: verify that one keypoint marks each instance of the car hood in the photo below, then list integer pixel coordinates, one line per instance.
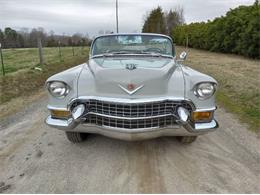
(110, 78)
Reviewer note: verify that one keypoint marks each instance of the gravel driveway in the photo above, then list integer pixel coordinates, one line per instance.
(37, 159)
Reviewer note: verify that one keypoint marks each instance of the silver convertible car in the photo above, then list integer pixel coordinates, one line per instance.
(133, 87)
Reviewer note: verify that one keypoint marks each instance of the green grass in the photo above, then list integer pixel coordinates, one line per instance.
(26, 58)
(23, 80)
(239, 82)
(246, 113)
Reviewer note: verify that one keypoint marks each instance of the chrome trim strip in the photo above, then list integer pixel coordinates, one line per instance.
(130, 101)
(69, 125)
(61, 123)
(140, 34)
(129, 118)
(126, 55)
(49, 107)
(205, 109)
(127, 100)
(136, 135)
(140, 130)
(124, 100)
(149, 34)
(206, 126)
(130, 92)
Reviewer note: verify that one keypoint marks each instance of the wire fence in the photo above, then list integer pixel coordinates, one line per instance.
(16, 59)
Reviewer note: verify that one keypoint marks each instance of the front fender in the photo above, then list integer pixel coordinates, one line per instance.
(191, 78)
(70, 77)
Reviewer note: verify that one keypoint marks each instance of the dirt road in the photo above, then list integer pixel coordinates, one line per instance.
(37, 159)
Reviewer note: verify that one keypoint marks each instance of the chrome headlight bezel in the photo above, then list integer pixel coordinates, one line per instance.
(62, 89)
(204, 90)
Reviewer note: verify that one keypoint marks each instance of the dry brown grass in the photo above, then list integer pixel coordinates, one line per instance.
(238, 78)
(19, 103)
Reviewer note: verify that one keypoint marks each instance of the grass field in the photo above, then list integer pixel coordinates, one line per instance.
(19, 59)
(238, 78)
(23, 79)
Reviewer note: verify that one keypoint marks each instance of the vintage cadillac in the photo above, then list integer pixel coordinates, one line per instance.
(132, 88)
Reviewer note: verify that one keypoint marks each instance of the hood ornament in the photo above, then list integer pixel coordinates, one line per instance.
(131, 89)
(130, 66)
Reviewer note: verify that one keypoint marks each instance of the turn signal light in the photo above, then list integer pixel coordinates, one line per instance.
(202, 116)
(64, 114)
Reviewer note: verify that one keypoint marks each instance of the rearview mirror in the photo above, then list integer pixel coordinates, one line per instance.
(183, 55)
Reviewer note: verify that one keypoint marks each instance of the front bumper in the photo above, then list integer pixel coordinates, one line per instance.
(180, 129)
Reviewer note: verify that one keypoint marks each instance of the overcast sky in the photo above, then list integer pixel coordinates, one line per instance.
(91, 16)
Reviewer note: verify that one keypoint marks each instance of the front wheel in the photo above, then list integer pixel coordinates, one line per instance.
(76, 137)
(187, 139)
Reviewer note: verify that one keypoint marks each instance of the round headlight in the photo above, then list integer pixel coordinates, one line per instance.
(58, 89)
(204, 90)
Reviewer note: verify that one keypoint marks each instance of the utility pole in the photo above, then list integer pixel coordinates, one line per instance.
(2, 60)
(117, 16)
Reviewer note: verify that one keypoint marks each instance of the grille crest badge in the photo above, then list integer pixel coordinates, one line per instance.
(131, 88)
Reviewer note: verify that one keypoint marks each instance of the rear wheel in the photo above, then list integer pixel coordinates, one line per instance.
(187, 139)
(76, 137)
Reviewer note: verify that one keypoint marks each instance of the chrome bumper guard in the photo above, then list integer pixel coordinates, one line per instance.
(70, 124)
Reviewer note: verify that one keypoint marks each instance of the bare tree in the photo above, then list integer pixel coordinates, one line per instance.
(174, 18)
(11, 38)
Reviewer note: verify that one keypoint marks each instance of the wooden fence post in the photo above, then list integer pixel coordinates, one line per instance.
(187, 41)
(2, 60)
(59, 51)
(82, 49)
(40, 51)
(73, 50)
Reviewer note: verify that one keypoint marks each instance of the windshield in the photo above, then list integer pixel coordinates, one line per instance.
(132, 44)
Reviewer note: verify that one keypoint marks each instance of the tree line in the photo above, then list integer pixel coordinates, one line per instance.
(25, 38)
(161, 22)
(237, 32)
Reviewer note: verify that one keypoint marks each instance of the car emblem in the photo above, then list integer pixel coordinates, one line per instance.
(130, 66)
(130, 88)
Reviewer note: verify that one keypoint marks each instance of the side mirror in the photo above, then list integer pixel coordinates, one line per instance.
(183, 55)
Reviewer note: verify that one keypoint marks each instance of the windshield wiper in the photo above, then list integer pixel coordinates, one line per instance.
(151, 53)
(108, 54)
(111, 54)
(120, 52)
(155, 54)
(137, 52)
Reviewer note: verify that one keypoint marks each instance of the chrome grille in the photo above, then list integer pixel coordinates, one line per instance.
(130, 124)
(132, 115)
(135, 109)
